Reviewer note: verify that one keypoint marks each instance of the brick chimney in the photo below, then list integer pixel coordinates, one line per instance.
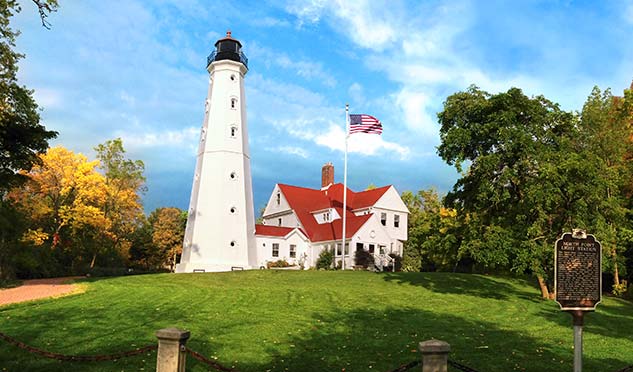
(327, 176)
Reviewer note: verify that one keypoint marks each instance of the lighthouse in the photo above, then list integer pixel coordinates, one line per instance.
(220, 233)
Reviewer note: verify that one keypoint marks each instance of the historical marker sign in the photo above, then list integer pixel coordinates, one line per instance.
(578, 271)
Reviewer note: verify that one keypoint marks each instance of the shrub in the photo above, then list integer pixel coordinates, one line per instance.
(363, 258)
(620, 290)
(324, 262)
(278, 263)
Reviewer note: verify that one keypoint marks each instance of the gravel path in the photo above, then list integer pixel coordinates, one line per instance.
(38, 288)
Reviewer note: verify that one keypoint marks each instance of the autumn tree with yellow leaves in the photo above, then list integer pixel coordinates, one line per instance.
(78, 213)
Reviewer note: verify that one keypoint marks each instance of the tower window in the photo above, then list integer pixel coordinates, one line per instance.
(278, 198)
(233, 131)
(233, 103)
(233, 210)
(233, 77)
(233, 175)
(233, 243)
(279, 222)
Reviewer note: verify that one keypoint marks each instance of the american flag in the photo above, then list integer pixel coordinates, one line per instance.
(362, 123)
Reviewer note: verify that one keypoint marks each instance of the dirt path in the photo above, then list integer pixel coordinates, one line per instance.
(38, 288)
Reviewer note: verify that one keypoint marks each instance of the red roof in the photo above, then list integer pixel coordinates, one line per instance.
(304, 201)
(272, 230)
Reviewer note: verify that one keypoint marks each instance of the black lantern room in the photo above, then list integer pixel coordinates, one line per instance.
(228, 48)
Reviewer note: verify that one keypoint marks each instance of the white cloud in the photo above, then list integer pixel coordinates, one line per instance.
(365, 144)
(307, 69)
(48, 98)
(168, 138)
(364, 20)
(416, 110)
(628, 12)
(292, 150)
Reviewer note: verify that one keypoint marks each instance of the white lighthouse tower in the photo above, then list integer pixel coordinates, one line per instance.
(220, 234)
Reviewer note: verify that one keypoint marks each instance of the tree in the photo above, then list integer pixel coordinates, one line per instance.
(528, 178)
(63, 201)
(22, 136)
(168, 232)
(432, 242)
(124, 184)
(607, 134)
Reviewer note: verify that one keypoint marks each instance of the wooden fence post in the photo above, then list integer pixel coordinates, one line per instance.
(434, 355)
(171, 354)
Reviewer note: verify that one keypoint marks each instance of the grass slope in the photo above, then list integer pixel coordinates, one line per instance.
(316, 321)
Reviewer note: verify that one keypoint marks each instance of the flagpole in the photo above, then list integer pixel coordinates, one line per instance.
(345, 184)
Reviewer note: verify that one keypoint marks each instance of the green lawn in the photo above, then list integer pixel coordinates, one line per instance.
(317, 321)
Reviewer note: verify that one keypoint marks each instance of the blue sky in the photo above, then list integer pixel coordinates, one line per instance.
(136, 70)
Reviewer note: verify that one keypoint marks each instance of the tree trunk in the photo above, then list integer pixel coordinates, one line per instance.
(94, 258)
(543, 286)
(616, 272)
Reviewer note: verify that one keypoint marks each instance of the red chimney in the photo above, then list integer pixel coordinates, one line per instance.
(327, 175)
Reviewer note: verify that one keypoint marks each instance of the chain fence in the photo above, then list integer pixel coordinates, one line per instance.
(452, 363)
(209, 362)
(195, 355)
(77, 358)
(460, 367)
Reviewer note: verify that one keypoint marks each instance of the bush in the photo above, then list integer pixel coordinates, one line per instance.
(397, 261)
(278, 263)
(324, 262)
(363, 258)
(620, 289)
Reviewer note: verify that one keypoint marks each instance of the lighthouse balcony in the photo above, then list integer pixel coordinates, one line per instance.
(233, 56)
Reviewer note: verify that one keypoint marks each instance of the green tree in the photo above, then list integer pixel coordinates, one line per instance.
(607, 134)
(432, 242)
(125, 184)
(527, 176)
(22, 136)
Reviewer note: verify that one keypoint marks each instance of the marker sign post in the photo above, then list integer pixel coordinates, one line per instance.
(578, 280)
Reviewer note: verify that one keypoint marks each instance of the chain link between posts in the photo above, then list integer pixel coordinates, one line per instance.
(211, 363)
(76, 358)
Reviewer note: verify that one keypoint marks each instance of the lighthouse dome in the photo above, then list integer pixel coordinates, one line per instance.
(228, 48)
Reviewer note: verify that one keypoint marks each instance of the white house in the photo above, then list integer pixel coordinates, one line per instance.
(299, 223)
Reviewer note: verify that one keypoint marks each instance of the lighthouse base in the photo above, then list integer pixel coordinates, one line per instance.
(198, 267)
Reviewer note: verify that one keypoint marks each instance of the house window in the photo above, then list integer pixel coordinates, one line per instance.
(346, 248)
(382, 249)
(293, 251)
(279, 222)
(275, 249)
(371, 248)
(326, 216)
(396, 220)
(383, 219)
(278, 198)
(338, 249)
(359, 247)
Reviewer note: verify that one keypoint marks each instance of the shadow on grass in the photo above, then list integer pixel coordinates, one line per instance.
(612, 319)
(463, 284)
(381, 341)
